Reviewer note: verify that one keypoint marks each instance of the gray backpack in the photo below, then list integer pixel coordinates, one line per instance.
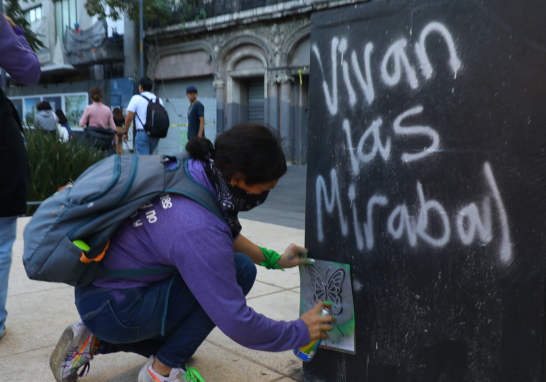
(93, 208)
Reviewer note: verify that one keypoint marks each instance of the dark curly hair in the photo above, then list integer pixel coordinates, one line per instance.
(250, 148)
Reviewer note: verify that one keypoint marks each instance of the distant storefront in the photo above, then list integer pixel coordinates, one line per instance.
(72, 104)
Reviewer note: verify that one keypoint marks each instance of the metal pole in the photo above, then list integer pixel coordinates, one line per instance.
(141, 38)
(2, 71)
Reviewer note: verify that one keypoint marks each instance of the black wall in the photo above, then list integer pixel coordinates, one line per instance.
(441, 210)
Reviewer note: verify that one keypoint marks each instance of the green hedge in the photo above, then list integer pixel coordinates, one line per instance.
(54, 163)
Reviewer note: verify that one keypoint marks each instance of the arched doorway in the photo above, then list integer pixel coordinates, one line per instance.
(246, 87)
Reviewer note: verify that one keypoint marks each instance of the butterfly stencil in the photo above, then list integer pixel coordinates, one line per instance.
(327, 288)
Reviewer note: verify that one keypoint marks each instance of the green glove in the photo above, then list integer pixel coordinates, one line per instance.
(271, 259)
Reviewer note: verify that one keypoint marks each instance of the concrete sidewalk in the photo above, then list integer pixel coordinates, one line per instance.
(38, 313)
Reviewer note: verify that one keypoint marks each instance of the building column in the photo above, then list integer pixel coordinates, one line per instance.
(272, 106)
(130, 48)
(286, 115)
(219, 85)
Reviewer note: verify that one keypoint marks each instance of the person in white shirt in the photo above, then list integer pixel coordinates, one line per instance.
(138, 106)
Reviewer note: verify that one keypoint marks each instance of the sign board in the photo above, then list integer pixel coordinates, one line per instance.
(426, 174)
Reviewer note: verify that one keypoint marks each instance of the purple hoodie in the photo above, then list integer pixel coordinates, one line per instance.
(16, 57)
(173, 231)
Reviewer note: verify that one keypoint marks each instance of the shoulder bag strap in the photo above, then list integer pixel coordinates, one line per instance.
(147, 99)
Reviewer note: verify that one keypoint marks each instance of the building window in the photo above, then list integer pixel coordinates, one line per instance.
(34, 14)
(72, 104)
(66, 15)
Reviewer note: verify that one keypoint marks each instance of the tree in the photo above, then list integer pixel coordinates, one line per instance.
(156, 12)
(14, 11)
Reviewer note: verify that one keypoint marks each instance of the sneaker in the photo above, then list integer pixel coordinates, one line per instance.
(71, 353)
(3, 333)
(148, 374)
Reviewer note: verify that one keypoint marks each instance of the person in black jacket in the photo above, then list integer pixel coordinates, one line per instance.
(23, 66)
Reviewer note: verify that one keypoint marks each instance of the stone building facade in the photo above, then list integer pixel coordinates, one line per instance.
(249, 66)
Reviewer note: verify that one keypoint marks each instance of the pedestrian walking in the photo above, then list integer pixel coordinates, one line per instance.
(166, 318)
(119, 120)
(101, 127)
(196, 114)
(23, 66)
(45, 118)
(63, 121)
(138, 106)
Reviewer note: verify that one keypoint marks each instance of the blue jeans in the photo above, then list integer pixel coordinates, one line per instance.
(130, 320)
(7, 237)
(144, 144)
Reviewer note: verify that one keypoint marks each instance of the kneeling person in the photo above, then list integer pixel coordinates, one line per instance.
(166, 318)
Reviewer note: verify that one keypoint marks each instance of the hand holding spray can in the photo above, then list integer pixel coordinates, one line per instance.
(306, 353)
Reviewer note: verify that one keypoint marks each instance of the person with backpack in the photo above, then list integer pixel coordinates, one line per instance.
(177, 266)
(152, 120)
(23, 66)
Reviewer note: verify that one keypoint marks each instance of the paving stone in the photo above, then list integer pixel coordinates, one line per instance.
(287, 279)
(36, 320)
(262, 289)
(123, 367)
(216, 364)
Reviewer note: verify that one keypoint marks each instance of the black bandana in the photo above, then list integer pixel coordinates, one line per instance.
(232, 199)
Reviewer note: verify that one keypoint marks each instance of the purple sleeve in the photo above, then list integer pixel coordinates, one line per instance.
(21, 63)
(209, 272)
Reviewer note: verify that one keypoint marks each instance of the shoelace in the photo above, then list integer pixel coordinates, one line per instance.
(192, 375)
(87, 366)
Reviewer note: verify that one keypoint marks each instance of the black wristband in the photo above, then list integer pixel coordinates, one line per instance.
(124, 133)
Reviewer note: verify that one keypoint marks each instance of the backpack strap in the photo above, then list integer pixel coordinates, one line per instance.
(146, 98)
(156, 100)
(195, 191)
(149, 100)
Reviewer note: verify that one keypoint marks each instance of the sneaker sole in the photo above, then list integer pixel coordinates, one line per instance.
(59, 354)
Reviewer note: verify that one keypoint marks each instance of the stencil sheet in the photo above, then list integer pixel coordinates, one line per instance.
(329, 281)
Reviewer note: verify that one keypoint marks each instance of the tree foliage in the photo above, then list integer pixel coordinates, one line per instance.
(156, 12)
(14, 11)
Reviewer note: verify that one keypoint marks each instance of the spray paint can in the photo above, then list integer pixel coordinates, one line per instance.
(306, 353)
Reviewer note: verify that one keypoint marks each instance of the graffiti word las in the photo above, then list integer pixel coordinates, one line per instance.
(361, 156)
